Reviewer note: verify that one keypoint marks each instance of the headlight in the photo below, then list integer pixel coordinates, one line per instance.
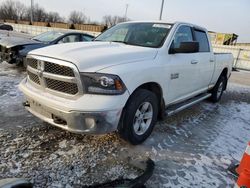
(98, 83)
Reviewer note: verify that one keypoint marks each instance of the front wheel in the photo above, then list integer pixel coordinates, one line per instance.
(218, 89)
(139, 117)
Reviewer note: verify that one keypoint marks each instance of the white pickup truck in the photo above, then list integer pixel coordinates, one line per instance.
(131, 75)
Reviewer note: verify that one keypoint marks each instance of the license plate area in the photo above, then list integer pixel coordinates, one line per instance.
(40, 109)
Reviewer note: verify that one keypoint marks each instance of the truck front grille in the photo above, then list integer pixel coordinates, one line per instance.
(34, 78)
(32, 63)
(58, 69)
(52, 76)
(65, 87)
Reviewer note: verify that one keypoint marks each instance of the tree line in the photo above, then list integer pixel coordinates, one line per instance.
(16, 10)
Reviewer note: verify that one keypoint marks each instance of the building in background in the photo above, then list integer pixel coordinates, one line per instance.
(223, 38)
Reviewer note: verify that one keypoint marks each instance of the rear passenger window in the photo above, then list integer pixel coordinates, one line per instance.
(201, 37)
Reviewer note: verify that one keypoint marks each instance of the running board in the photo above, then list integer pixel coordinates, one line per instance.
(181, 106)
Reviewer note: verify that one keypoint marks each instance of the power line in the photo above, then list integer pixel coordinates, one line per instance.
(31, 11)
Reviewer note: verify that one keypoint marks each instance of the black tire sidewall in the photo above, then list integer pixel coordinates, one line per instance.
(127, 130)
(215, 97)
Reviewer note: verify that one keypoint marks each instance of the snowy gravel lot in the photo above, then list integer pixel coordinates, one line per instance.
(191, 149)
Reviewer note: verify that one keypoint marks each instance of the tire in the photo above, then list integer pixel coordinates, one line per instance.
(218, 89)
(139, 117)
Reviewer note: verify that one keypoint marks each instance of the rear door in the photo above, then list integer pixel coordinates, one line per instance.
(205, 59)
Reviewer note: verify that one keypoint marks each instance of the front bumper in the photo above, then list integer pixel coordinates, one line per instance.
(76, 121)
(90, 114)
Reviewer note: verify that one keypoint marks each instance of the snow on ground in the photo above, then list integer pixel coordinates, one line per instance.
(193, 148)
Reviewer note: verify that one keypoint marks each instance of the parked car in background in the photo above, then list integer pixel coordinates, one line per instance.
(6, 27)
(5, 33)
(132, 74)
(14, 49)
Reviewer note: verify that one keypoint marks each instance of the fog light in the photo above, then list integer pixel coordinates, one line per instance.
(90, 123)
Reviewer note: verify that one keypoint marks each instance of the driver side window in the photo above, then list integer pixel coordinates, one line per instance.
(183, 34)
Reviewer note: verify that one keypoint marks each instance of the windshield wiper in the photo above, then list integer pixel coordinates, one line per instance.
(37, 40)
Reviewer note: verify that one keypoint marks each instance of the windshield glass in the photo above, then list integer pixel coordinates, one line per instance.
(139, 34)
(48, 36)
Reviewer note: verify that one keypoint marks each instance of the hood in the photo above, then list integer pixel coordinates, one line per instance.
(10, 42)
(94, 56)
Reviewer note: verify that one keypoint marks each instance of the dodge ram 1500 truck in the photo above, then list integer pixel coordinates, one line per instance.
(131, 75)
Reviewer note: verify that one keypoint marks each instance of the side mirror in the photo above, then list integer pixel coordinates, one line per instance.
(185, 47)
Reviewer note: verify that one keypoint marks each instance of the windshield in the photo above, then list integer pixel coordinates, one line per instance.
(139, 34)
(48, 36)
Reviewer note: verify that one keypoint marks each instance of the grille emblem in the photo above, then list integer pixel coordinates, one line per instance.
(40, 69)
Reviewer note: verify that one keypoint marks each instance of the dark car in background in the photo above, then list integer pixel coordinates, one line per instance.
(14, 49)
(6, 27)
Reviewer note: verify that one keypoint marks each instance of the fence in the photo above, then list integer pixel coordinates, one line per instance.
(241, 55)
(35, 29)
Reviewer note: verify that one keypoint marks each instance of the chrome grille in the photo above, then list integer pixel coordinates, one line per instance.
(33, 77)
(32, 63)
(65, 87)
(58, 69)
(52, 76)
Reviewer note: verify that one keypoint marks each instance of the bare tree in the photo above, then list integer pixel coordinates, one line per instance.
(7, 10)
(39, 14)
(20, 10)
(77, 17)
(15, 10)
(54, 17)
(109, 20)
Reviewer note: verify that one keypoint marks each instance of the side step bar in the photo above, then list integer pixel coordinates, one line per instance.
(181, 106)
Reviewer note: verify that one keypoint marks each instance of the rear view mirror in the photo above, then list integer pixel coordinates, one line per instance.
(185, 47)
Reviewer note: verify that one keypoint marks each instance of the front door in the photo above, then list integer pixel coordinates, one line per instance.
(183, 68)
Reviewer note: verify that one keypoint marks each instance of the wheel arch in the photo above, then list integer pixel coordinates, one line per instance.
(224, 73)
(155, 88)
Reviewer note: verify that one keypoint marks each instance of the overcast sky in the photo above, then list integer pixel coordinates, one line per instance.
(230, 16)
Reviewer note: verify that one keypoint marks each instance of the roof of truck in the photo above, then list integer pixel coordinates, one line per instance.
(164, 22)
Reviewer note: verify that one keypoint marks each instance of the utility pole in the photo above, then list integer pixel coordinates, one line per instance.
(31, 11)
(162, 5)
(126, 11)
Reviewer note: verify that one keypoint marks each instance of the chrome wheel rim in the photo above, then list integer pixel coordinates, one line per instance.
(220, 90)
(143, 118)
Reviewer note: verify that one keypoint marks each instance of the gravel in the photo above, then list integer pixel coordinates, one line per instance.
(193, 148)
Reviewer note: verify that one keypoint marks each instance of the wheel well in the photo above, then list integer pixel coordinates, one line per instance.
(224, 73)
(157, 90)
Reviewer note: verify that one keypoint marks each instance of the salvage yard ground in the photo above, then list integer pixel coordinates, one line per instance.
(191, 149)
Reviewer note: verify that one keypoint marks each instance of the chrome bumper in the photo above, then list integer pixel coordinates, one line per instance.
(76, 121)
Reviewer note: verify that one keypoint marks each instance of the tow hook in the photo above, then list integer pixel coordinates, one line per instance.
(26, 104)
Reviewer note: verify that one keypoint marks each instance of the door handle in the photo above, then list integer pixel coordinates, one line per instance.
(194, 62)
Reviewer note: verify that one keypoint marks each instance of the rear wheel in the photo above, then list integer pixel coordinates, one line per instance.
(218, 89)
(139, 117)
